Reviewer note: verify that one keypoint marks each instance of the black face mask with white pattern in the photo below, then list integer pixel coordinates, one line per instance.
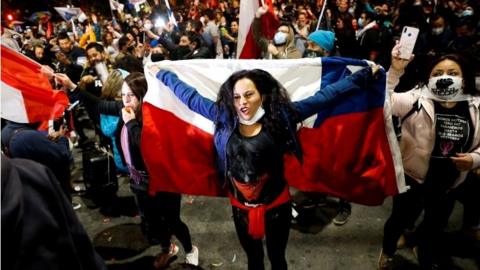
(445, 87)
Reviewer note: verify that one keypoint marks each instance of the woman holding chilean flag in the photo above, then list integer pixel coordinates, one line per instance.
(255, 125)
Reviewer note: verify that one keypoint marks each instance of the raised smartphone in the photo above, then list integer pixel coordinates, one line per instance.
(407, 41)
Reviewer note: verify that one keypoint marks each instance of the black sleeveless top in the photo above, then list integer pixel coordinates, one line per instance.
(255, 167)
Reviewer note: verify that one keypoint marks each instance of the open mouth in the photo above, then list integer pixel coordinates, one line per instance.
(244, 110)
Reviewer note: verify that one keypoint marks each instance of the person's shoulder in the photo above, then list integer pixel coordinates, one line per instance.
(27, 167)
(78, 51)
(26, 137)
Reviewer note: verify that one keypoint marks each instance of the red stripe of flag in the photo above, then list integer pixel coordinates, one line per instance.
(41, 101)
(337, 164)
(270, 24)
(192, 150)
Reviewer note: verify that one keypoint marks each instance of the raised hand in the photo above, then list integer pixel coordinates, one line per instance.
(64, 80)
(399, 64)
(57, 134)
(261, 11)
(154, 69)
(47, 71)
(375, 69)
(127, 114)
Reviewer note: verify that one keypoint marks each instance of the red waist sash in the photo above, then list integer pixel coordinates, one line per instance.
(256, 213)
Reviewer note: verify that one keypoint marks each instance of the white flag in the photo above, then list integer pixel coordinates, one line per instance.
(137, 2)
(114, 5)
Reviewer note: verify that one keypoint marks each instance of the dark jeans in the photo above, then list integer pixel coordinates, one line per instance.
(406, 208)
(277, 229)
(439, 203)
(161, 218)
(468, 193)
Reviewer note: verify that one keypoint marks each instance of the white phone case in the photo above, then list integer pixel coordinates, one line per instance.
(407, 41)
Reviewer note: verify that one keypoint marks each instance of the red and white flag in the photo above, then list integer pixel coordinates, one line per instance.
(27, 95)
(246, 47)
(349, 148)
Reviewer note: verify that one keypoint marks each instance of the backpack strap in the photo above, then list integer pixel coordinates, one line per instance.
(397, 122)
(415, 108)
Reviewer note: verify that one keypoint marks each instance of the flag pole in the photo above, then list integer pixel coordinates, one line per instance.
(321, 15)
(169, 10)
(171, 17)
(111, 10)
(74, 30)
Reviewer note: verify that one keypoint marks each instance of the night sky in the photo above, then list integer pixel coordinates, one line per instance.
(23, 9)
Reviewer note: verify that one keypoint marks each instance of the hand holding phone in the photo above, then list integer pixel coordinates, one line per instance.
(407, 41)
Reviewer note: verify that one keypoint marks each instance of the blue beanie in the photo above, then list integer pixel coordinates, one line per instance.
(324, 39)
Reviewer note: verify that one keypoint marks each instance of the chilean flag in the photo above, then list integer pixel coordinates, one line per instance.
(246, 46)
(69, 13)
(27, 95)
(349, 147)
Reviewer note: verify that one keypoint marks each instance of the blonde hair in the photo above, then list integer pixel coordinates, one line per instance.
(112, 86)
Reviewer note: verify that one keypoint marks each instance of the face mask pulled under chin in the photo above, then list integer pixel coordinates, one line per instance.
(445, 88)
(313, 54)
(258, 115)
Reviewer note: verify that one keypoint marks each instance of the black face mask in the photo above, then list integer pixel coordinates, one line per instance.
(184, 47)
(180, 53)
(183, 50)
(155, 57)
(312, 54)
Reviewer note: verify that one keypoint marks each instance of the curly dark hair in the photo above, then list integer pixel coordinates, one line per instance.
(276, 102)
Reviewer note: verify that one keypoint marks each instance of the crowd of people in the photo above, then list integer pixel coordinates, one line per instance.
(99, 61)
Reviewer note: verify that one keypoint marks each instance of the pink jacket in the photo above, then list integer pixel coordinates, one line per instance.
(418, 138)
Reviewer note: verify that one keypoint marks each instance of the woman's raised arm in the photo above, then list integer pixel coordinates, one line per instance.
(186, 93)
(322, 98)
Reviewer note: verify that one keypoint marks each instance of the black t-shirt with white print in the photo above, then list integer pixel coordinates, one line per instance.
(453, 130)
(453, 134)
